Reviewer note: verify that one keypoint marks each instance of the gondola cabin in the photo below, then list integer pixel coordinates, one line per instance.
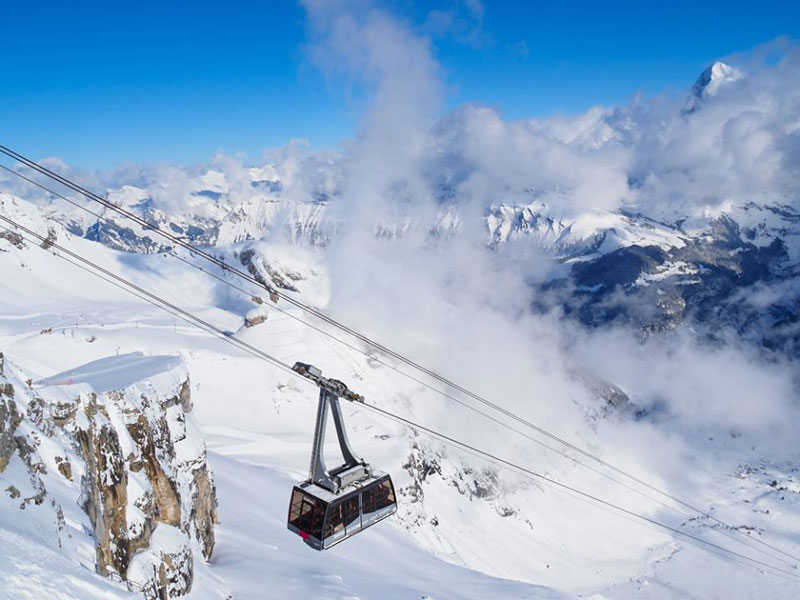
(323, 519)
(333, 505)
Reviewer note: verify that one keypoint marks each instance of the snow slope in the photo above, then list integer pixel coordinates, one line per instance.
(465, 529)
(255, 552)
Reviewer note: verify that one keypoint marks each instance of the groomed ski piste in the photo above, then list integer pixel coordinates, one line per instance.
(466, 528)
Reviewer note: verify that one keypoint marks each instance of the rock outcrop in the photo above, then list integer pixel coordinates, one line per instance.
(714, 281)
(256, 316)
(116, 438)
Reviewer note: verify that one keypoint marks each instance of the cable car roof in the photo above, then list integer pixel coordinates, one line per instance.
(326, 495)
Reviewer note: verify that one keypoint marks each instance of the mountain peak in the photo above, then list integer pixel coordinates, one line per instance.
(714, 77)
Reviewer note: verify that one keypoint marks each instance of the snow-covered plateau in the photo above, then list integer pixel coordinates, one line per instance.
(659, 332)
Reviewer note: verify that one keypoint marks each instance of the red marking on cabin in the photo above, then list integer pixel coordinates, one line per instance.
(304, 535)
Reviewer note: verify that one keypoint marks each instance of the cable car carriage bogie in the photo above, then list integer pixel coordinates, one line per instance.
(334, 505)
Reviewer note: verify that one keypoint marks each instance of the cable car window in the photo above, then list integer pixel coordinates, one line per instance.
(306, 513)
(342, 514)
(368, 500)
(335, 519)
(302, 510)
(294, 506)
(373, 498)
(378, 496)
(318, 515)
(306, 518)
(351, 512)
(384, 494)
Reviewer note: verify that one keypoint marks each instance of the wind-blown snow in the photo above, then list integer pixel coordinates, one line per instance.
(113, 372)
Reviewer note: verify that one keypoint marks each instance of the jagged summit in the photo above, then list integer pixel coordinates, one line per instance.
(713, 78)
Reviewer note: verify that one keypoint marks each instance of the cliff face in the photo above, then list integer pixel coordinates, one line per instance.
(116, 438)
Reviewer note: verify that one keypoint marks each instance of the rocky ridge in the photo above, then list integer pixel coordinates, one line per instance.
(115, 476)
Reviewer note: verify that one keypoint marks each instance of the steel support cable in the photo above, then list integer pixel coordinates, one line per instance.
(202, 324)
(564, 487)
(688, 516)
(150, 297)
(362, 351)
(367, 354)
(237, 272)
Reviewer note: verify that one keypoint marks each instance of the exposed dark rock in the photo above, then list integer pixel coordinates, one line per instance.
(13, 238)
(620, 268)
(705, 282)
(10, 419)
(64, 467)
(268, 276)
(151, 441)
(133, 480)
(50, 239)
(255, 317)
(173, 576)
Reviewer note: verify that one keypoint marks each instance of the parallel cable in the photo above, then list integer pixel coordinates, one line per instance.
(192, 319)
(150, 297)
(564, 487)
(370, 342)
(393, 367)
(360, 350)
(210, 328)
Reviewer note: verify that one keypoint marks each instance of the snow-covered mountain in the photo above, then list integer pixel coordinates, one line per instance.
(209, 214)
(592, 279)
(680, 243)
(710, 81)
(691, 268)
(462, 522)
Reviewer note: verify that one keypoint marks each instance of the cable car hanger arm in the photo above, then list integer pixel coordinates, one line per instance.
(354, 468)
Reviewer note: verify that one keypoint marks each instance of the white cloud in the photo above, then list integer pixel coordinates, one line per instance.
(427, 295)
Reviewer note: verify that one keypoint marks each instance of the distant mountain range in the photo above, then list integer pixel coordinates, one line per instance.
(736, 268)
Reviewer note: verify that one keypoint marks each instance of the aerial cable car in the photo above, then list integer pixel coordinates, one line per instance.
(334, 505)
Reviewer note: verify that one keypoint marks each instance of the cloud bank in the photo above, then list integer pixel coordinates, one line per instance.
(675, 158)
(411, 164)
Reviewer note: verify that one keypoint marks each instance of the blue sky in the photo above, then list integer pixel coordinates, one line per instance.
(101, 83)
